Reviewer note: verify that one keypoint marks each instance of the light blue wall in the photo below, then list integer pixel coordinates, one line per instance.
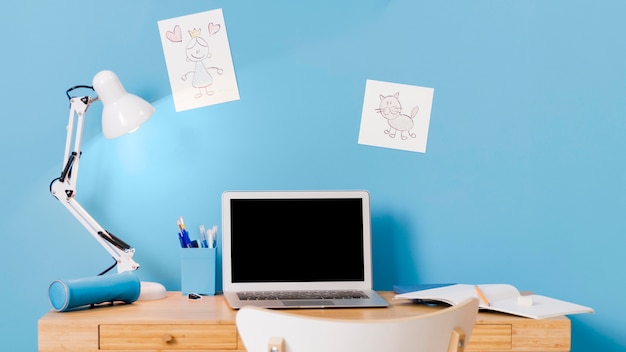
(523, 180)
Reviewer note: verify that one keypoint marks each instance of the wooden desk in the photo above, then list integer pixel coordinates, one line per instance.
(176, 323)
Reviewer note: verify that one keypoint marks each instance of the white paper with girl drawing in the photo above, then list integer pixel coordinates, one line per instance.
(396, 116)
(198, 59)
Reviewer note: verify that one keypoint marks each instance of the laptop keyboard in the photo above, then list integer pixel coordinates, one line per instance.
(288, 295)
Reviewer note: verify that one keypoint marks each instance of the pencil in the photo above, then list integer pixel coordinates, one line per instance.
(482, 295)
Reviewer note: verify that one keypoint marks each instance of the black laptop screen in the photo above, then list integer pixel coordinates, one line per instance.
(296, 240)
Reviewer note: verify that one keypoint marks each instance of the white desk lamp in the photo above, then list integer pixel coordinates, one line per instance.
(122, 113)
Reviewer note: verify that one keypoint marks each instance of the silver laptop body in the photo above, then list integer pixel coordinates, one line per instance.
(297, 249)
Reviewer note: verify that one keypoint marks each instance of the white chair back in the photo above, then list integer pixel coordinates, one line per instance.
(265, 330)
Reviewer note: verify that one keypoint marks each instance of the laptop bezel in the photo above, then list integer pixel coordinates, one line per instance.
(229, 286)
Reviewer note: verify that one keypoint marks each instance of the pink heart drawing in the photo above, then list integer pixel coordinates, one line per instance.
(176, 35)
(214, 28)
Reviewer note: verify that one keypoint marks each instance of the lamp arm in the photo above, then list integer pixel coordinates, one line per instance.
(63, 188)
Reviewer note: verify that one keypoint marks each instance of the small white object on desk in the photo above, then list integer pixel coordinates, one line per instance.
(151, 291)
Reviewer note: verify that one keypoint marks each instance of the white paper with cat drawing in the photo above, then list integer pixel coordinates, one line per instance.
(198, 59)
(396, 116)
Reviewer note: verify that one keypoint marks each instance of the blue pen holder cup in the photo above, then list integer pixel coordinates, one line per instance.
(198, 270)
(68, 294)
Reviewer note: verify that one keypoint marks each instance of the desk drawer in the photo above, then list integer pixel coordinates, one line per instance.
(166, 337)
(491, 337)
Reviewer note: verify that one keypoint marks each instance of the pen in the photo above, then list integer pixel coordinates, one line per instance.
(186, 238)
(185, 241)
(482, 295)
(181, 223)
(212, 237)
(203, 237)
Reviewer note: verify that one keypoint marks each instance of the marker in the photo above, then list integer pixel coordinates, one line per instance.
(482, 295)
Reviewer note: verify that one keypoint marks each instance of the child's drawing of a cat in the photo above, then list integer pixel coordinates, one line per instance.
(391, 109)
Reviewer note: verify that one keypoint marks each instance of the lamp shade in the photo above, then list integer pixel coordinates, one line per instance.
(122, 112)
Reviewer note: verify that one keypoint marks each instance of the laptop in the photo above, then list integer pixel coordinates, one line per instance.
(297, 249)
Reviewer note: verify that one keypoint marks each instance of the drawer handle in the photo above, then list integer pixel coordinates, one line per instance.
(167, 338)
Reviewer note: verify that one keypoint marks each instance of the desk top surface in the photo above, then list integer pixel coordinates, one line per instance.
(214, 309)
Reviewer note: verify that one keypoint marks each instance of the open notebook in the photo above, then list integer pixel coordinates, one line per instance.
(503, 298)
(297, 249)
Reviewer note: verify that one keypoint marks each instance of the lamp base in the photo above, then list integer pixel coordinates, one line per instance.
(152, 291)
